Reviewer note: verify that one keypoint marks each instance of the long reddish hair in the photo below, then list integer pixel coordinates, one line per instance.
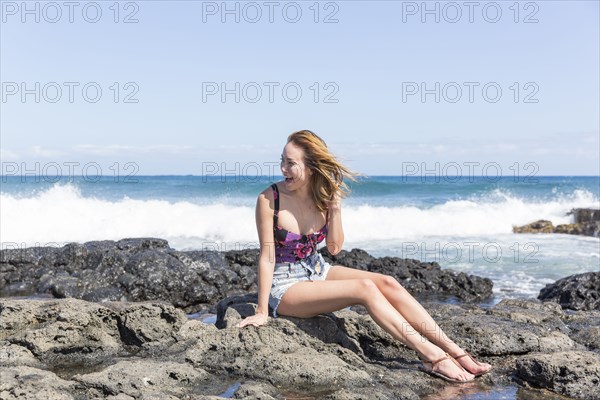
(328, 175)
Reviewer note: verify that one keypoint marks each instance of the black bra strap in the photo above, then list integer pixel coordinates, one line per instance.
(276, 213)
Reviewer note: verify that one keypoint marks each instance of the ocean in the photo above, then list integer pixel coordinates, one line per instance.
(463, 223)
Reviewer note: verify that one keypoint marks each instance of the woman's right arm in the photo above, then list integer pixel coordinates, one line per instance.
(266, 261)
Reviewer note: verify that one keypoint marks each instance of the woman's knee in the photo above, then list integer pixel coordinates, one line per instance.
(367, 290)
(390, 282)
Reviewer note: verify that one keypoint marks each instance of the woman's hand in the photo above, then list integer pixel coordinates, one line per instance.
(256, 320)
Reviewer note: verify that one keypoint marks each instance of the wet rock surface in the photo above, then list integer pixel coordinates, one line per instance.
(575, 292)
(574, 374)
(140, 378)
(586, 222)
(146, 269)
(21, 382)
(74, 349)
(539, 226)
(118, 347)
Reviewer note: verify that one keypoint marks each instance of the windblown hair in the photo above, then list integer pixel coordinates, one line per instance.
(328, 173)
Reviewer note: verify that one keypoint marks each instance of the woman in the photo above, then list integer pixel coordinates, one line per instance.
(295, 280)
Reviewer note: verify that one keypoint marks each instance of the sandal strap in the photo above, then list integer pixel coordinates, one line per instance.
(447, 356)
(470, 356)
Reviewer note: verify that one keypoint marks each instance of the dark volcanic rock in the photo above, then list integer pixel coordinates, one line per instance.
(141, 378)
(136, 331)
(32, 383)
(127, 270)
(584, 327)
(62, 333)
(585, 215)
(576, 292)
(147, 269)
(510, 327)
(269, 354)
(119, 350)
(587, 222)
(315, 356)
(574, 374)
(539, 226)
(73, 332)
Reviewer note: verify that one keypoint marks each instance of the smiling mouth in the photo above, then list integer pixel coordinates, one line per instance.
(289, 180)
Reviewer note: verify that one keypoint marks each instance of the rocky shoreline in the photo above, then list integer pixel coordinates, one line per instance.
(109, 321)
(586, 222)
(148, 269)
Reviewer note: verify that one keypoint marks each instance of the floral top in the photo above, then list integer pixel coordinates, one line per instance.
(290, 246)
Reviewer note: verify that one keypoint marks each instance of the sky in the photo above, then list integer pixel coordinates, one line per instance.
(194, 87)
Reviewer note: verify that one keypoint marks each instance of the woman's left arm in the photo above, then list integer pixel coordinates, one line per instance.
(335, 232)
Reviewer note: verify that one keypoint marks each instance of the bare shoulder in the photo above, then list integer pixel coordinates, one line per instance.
(267, 192)
(266, 198)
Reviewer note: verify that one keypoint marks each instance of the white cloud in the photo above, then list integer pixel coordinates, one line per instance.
(575, 151)
(252, 149)
(591, 138)
(117, 149)
(583, 145)
(40, 151)
(423, 148)
(7, 155)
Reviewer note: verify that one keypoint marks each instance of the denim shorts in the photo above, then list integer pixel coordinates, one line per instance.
(288, 273)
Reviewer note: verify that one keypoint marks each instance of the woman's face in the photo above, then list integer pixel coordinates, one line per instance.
(293, 167)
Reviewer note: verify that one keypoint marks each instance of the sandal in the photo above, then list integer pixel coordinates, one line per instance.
(439, 374)
(475, 361)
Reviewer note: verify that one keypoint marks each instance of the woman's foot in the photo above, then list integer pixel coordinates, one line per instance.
(447, 368)
(471, 364)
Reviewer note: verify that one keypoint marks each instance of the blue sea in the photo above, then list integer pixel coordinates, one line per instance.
(463, 223)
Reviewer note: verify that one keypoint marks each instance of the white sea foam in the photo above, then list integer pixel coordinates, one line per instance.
(62, 214)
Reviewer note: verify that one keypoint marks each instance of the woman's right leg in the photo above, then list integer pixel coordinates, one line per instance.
(309, 298)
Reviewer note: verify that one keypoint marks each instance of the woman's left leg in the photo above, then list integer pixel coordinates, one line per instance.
(411, 310)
